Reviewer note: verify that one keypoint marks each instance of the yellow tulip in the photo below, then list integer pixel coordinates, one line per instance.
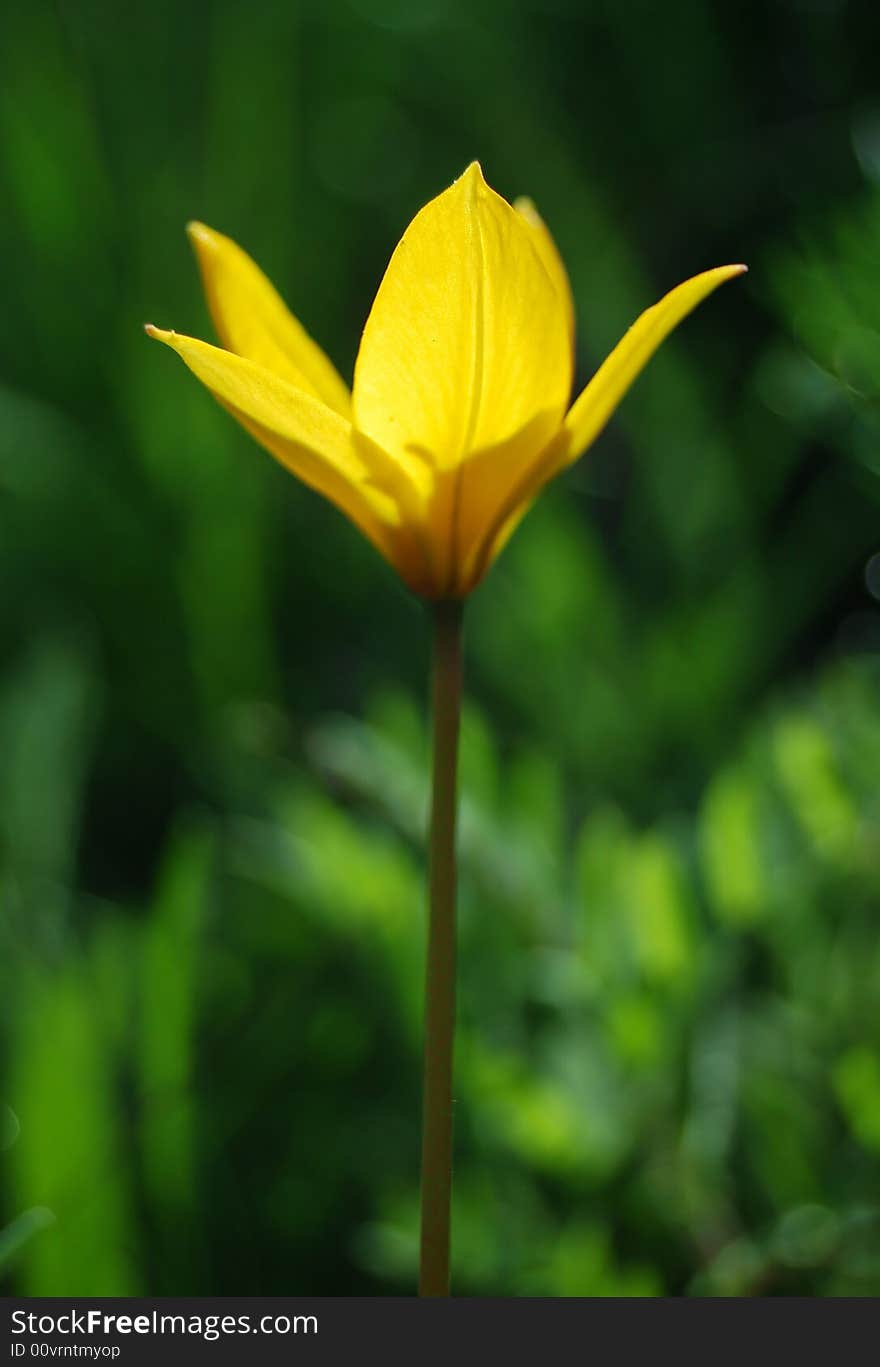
(459, 412)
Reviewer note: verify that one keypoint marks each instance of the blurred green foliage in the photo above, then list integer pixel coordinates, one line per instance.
(213, 774)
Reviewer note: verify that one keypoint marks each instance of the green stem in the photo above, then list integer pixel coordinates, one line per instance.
(440, 975)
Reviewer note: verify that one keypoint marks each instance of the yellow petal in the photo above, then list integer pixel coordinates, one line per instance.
(590, 412)
(310, 439)
(504, 508)
(634, 350)
(253, 321)
(549, 254)
(470, 502)
(467, 342)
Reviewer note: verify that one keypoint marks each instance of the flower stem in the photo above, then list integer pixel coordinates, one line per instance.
(440, 975)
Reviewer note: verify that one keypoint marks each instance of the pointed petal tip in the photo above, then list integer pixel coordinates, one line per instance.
(473, 171)
(719, 274)
(200, 235)
(160, 334)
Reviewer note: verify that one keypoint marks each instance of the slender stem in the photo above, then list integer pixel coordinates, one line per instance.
(440, 975)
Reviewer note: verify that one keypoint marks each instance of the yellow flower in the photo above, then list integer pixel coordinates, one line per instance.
(459, 412)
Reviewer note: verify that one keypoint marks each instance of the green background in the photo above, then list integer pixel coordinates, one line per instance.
(212, 692)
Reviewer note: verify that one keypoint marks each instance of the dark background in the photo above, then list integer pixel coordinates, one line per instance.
(212, 729)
